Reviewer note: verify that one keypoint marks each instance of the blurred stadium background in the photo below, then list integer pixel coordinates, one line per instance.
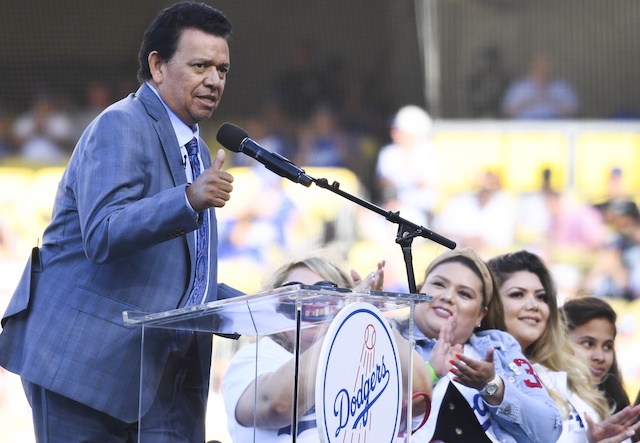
(373, 57)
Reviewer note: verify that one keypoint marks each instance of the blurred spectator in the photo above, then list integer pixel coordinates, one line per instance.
(636, 437)
(406, 168)
(322, 142)
(278, 124)
(616, 190)
(487, 84)
(45, 134)
(625, 113)
(7, 147)
(360, 113)
(566, 232)
(553, 220)
(573, 224)
(366, 123)
(261, 229)
(483, 219)
(257, 126)
(616, 272)
(301, 87)
(97, 98)
(540, 95)
(256, 227)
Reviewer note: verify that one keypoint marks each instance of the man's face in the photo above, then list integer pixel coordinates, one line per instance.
(192, 82)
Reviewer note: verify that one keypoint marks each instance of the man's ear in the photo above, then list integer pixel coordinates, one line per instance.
(156, 66)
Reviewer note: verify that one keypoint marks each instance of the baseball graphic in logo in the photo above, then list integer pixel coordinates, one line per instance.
(359, 384)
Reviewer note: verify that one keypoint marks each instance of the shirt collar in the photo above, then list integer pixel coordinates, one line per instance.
(418, 335)
(184, 133)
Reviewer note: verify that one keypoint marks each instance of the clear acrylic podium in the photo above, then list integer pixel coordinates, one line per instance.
(298, 314)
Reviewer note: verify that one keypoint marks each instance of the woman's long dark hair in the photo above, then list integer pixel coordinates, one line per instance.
(577, 312)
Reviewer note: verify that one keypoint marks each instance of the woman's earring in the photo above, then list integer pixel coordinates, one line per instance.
(479, 324)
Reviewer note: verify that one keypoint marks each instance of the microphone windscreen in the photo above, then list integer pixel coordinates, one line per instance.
(231, 137)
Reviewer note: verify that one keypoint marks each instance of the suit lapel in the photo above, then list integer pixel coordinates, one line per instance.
(162, 125)
(168, 143)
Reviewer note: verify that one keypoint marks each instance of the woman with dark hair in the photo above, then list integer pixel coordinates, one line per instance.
(532, 316)
(484, 388)
(591, 322)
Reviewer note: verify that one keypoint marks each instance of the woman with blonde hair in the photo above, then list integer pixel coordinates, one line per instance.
(257, 387)
(532, 316)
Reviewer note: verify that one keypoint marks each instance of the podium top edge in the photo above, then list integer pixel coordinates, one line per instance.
(298, 291)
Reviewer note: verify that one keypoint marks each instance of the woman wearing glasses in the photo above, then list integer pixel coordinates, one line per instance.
(275, 364)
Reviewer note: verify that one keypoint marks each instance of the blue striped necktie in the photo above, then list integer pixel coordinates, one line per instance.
(202, 237)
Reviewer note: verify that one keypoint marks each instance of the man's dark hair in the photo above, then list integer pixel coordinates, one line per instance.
(164, 32)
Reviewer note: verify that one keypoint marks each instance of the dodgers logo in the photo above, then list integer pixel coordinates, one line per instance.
(359, 385)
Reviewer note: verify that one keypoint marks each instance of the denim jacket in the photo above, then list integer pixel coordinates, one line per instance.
(527, 412)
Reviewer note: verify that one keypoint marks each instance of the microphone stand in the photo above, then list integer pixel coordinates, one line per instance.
(407, 230)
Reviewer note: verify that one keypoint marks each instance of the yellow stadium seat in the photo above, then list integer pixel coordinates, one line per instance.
(17, 211)
(596, 154)
(527, 155)
(43, 192)
(462, 156)
(247, 185)
(324, 203)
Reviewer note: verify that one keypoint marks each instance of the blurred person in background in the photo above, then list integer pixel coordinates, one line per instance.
(407, 168)
(566, 232)
(616, 271)
(616, 190)
(322, 142)
(7, 145)
(45, 133)
(591, 322)
(532, 316)
(133, 229)
(97, 97)
(259, 128)
(302, 86)
(554, 220)
(483, 219)
(487, 84)
(540, 95)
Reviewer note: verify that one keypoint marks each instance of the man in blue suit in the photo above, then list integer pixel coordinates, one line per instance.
(131, 219)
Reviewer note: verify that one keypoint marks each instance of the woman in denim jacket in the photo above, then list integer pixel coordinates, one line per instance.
(532, 316)
(484, 389)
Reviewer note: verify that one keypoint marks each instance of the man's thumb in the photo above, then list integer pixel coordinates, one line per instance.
(219, 160)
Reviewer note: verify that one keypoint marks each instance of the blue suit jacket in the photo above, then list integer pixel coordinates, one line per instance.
(120, 239)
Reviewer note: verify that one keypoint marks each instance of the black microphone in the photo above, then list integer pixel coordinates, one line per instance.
(235, 139)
